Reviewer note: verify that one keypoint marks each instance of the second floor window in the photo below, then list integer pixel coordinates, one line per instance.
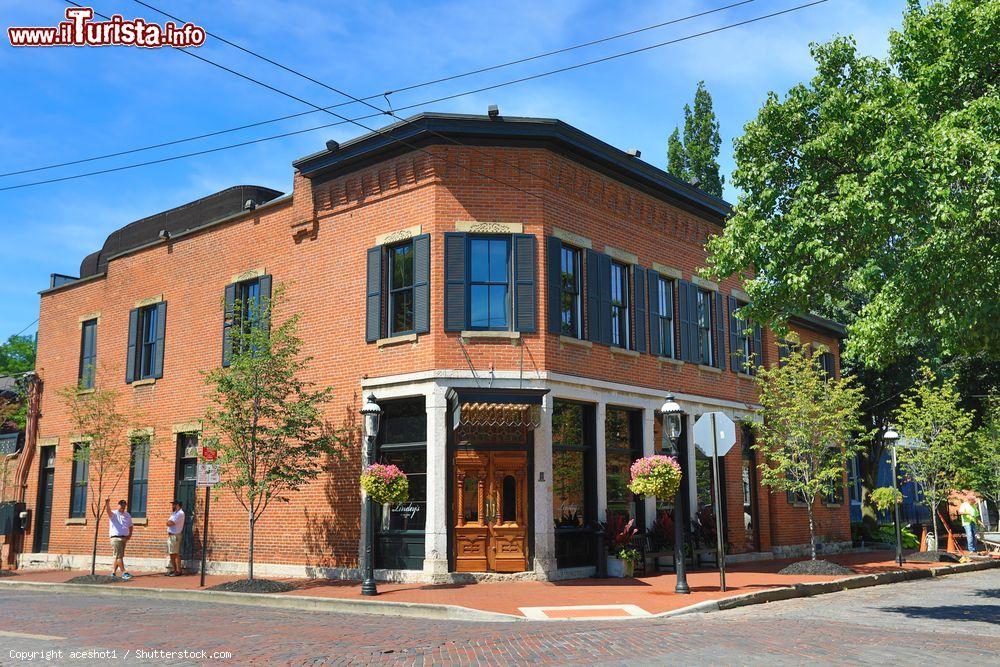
(619, 305)
(247, 304)
(570, 292)
(489, 287)
(706, 348)
(401, 289)
(147, 346)
(78, 493)
(88, 354)
(665, 316)
(147, 325)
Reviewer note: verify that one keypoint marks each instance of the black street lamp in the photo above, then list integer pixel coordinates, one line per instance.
(672, 415)
(372, 413)
(891, 438)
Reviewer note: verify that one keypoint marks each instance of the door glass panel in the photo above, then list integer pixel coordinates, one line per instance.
(509, 499)
(470, 499)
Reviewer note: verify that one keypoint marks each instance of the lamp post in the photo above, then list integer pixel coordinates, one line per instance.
(672, 427)
(372, 413)
(891, 437)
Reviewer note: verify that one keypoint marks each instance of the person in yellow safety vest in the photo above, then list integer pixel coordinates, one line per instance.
(970, 517)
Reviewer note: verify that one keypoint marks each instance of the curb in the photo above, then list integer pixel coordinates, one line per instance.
(459, 613)
(296, 602)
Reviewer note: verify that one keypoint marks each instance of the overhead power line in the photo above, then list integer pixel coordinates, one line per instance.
(401, 89)
(432, 101)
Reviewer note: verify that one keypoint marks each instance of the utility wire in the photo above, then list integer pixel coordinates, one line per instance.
(27, 327)
(375, 96)
(426, 102)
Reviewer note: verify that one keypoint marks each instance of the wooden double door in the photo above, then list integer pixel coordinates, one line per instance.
(490, 510)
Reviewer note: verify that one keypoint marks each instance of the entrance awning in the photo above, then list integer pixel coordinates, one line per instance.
(501, 409)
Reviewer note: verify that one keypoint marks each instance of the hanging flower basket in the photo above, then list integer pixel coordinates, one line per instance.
(385, 484)
(658, 476)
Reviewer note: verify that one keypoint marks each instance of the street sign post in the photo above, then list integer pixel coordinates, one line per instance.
(715, 435)
(208, 476)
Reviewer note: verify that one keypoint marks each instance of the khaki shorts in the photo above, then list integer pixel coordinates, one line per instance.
(174, 544)
(118, 547)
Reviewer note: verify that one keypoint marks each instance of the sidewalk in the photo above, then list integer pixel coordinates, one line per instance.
(578, 598)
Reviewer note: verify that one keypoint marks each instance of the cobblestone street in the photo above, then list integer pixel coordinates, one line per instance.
(949, 620)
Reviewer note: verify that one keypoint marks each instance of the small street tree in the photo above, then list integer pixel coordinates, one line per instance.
(810, 428)
(102, 445)
(936, 434)
(265, 420)
(986, 454)
(698, 156)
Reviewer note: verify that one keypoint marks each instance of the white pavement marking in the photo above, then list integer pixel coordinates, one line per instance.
(541, 613)
(25, 635)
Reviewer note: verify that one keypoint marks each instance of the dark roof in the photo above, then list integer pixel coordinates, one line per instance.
(426, 128)
(820, 325)
(136, 234)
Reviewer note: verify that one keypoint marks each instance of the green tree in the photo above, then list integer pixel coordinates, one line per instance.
(99, 431)
(876, 187)
(936, 432)
(985, 473)
(265, 420)
(17, 355)
(809, 428)
(697, 157)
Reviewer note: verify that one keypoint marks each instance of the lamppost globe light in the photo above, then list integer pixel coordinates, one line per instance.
(890, 435)
(372, 413)
(672, 419)
(670, 406)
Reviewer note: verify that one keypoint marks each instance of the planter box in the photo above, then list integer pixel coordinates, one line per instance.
(620, 568)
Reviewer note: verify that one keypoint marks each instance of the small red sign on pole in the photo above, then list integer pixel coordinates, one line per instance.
(208, 454)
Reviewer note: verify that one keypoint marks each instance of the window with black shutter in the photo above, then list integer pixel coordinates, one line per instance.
(138, 477)
(570, 322)
(398, 289)
(661, 315)
(247, 306)
(619, 305)
(78, 490)
(746, 354)
(88, 354)
(147, 326)
(706, 333)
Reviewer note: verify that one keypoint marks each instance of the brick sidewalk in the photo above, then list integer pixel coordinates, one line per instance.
(644, 595)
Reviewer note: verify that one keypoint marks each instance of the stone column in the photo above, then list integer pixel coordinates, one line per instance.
(436, 529)
(648, 416)
(600, 459)
(545, 550)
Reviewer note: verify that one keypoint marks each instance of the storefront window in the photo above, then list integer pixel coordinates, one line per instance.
(623, 446)
(574, 486)
(402, 442)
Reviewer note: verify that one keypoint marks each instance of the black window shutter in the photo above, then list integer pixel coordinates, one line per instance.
(553, 258)
(605, 298)
(720, 331)
(422, 284)
(783, 352)
(758, 347)
(639, 317)
(593, 296)
(454, 280)
(686, 316)
(227, 323)
(653, 280)
(161, 329)
(525, 289)
(373, 299)
(133, 333)
(264, 282)
(735, 360)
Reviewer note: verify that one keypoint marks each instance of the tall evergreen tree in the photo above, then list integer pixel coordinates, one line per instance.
(697, 157)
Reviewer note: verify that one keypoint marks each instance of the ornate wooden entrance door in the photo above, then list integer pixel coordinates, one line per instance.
(491, 513)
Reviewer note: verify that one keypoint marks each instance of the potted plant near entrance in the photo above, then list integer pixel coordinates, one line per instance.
(622, 554)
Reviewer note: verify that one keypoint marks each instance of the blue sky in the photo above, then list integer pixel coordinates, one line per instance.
(68, 103)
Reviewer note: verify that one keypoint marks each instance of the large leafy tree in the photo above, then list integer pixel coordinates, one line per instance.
(985, 469)
(808, 434)
(697, 156)
(936, 432)
(875, 188)
(17, 355)
(265, 420)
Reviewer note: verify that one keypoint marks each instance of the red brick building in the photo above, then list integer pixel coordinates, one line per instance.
(518, 296)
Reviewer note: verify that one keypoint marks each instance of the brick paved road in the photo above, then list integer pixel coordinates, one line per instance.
(951, 620)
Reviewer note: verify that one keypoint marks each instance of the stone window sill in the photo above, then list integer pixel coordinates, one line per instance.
(84, 392)
(624, 352)
(671, 361)
(744, 376)
(140, 522)
(710, 369)
(569, 340)
(396, 340)
(486, 335)
(144, 382)
(76, 521)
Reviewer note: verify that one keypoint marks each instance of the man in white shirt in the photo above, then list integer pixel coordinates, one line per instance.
(175, 533)
(119, 531)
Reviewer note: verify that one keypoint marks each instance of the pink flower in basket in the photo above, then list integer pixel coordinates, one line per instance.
(658, 476)
(385, 483)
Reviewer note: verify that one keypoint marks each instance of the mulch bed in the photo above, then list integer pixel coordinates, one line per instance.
(93, 579)
(819, 567)
(255, 586)
(933, 557)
